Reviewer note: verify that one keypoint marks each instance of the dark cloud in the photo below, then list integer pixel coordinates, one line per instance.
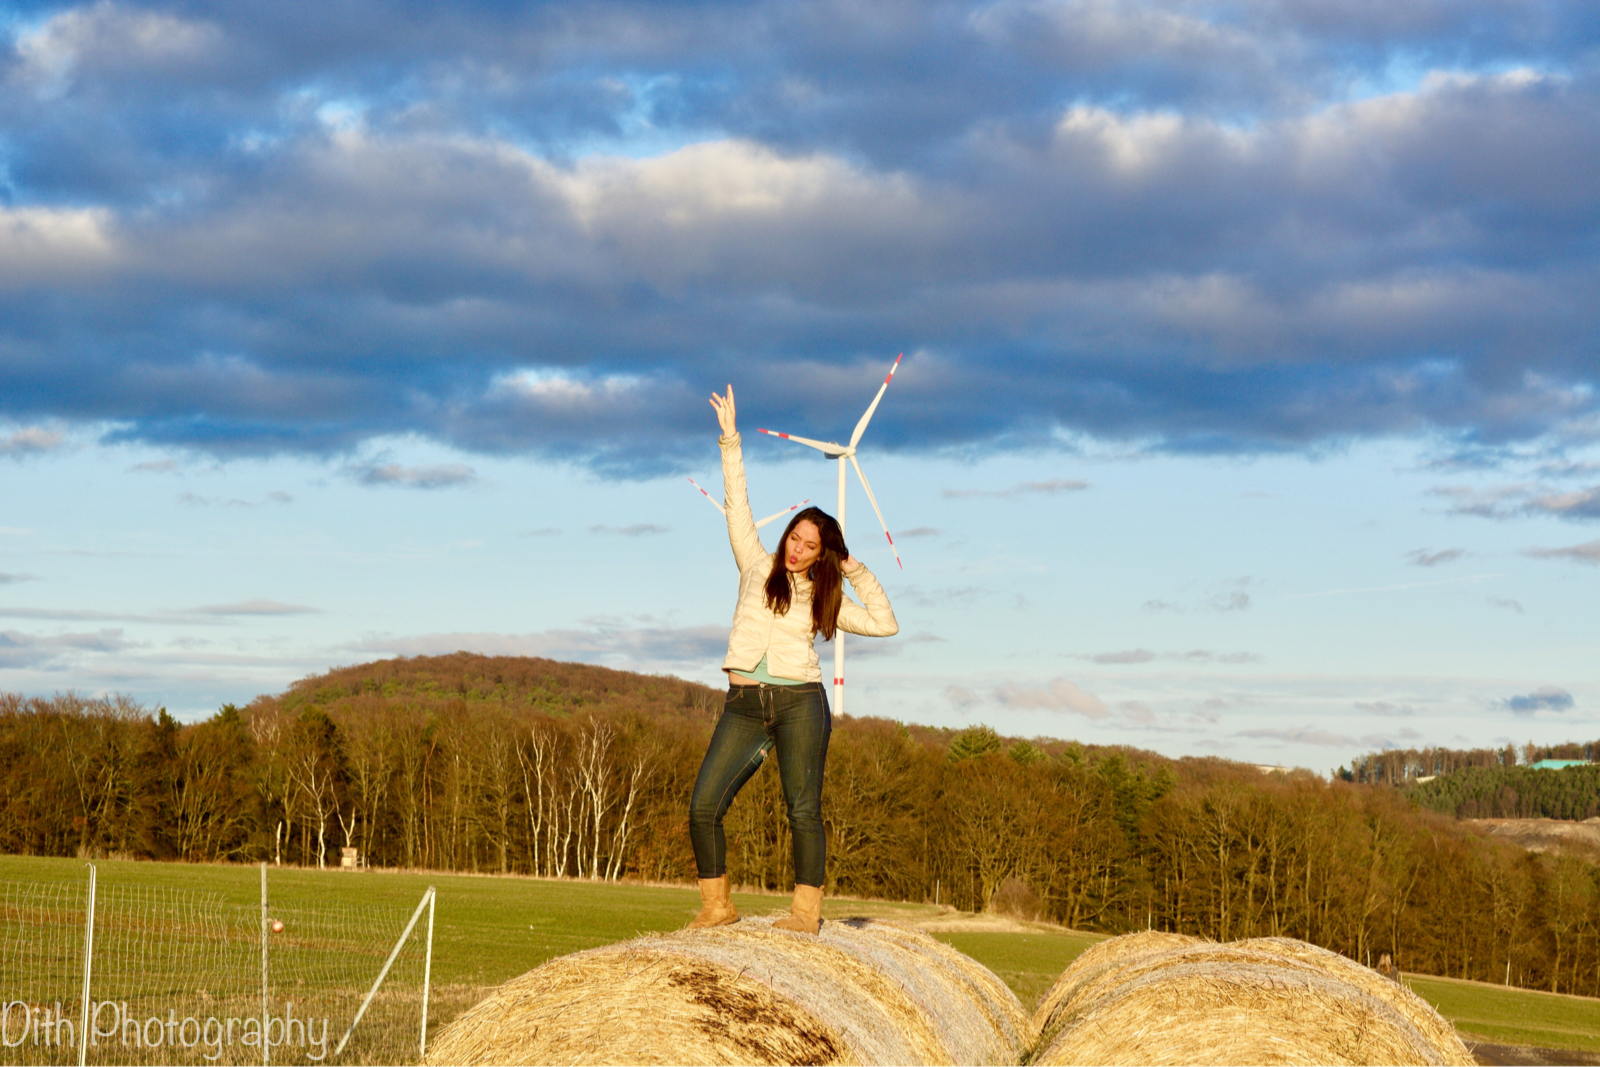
(1386, 709)
(19, 650)
(1423, 557)
(1507, 603)
(1545, 698)
(435, 477)
(1588, 552)
(1302, 735)
(1198, 655)
(1238, 600)
(258, 606)
(1052, 485)
(1578, 504)
(1133, 655)
(254, 228)
(196, 500)
(608, 641)
(638, 529)
(1524, 498)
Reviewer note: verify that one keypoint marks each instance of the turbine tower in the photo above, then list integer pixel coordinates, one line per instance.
(834, 450)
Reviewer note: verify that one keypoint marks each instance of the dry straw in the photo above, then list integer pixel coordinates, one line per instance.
(1158, 998)
(863, 992)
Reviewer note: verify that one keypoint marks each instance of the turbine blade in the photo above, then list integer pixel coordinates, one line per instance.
(782, 513)
(861, 427)
(874, 501)
(821, 446)
(709, 498)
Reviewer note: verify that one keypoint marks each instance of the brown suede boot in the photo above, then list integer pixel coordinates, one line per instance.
(805, 914)
(716, 904)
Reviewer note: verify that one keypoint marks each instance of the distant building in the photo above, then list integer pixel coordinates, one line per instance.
(1559, 764)
(1270, 768)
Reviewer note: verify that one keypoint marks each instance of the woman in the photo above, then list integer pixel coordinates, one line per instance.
(775, 695)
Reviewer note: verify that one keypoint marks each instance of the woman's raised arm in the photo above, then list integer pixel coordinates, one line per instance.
(742, 535)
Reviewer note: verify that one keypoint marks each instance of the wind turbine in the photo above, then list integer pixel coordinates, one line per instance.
(834, 450)
(764, 521)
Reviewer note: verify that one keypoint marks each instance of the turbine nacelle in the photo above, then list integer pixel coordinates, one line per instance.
(834, 450)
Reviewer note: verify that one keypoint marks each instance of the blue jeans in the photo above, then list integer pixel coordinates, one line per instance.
(794, 720)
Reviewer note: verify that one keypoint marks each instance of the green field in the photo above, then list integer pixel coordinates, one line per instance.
(490, 929)
(1513, 1016)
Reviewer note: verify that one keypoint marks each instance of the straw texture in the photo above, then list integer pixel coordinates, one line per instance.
(862, 992)
(1167, 999)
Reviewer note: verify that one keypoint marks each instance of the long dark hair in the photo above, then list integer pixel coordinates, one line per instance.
(826, 574)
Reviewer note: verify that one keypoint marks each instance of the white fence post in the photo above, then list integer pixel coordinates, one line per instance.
(427, 899)
(427, 973)
(266, 1016)
(88, 967)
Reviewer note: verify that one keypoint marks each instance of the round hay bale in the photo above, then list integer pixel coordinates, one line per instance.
(1096, 961)
(1418, 1012)
(863, 992)
(981, 1018)
(1263, 1001)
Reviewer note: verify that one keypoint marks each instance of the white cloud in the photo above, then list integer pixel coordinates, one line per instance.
(1059, 694)
(42, 246)
(30, 440)
(962, 697)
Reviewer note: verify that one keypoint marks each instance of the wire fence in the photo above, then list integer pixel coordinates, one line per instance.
(183, 976)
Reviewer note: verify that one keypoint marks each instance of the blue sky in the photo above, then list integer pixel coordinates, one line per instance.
(1249, 395)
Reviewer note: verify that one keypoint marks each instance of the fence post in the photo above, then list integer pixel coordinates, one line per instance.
(265, 1008)
(88, 966)
(427, 972)
(427, 898)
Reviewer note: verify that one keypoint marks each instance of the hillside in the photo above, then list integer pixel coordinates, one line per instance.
(482, 764)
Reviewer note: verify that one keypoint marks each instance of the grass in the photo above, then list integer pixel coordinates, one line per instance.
(489, 929)
(1028, 963)
(1505, 1016)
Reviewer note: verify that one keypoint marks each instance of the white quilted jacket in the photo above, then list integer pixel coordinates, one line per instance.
(785, 640)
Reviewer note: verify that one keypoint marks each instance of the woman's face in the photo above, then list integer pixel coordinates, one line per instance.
(803, 547)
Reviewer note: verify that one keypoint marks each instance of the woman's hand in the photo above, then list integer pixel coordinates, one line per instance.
(725, 414)
(848, 564)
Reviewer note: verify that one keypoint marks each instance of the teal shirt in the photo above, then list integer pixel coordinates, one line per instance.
(761, 674)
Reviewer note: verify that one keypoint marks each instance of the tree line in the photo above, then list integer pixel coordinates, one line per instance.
(1397, 766)
(1513, 793)
(474, 763)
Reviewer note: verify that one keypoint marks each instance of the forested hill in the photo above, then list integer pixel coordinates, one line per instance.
(545, 686)
(478, 763)
(1513, 793)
